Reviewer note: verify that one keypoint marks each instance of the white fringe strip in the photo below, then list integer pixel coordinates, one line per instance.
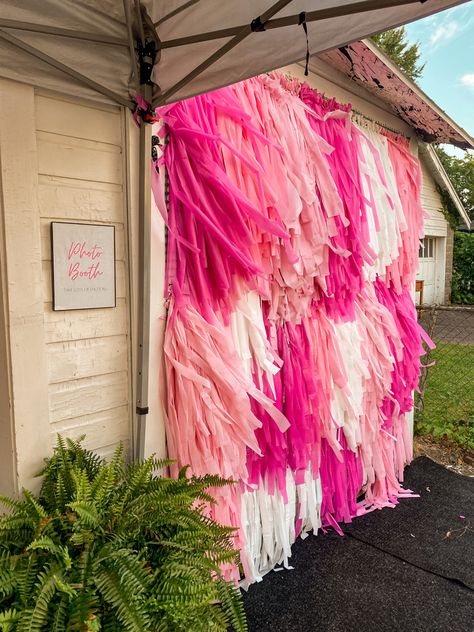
(269, 524)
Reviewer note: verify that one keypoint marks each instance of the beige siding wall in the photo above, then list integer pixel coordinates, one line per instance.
(27, 394)
(68, 371)
(81, 179)
(7, 465)
(436, 224)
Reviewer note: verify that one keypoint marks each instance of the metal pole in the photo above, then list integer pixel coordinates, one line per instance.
(144, 253)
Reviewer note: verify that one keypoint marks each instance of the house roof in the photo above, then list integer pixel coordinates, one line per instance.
(368, 66)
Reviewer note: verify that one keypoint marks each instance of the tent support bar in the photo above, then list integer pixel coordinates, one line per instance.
(97, 87)
(131, 42)
(54, 30)
(144, 258)
(170, 15)
(310, 16)
(244, 32)
(141, 30)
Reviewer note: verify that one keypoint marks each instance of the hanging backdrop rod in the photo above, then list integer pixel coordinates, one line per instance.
(35, 52)
(290, 20)
(54, 30)
(359, 114)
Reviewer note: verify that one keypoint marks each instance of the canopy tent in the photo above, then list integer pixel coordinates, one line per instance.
(88, 47)
(167, 50)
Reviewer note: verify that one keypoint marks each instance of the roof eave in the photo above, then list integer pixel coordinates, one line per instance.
(468, 140)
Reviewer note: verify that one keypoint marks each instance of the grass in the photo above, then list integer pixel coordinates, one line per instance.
(448, 409)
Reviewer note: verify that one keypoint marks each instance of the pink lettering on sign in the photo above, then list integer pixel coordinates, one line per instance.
(88, 266)
(92, 272)
(80, 248)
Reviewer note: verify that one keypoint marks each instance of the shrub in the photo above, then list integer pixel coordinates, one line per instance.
(112, 546)
(463, 268)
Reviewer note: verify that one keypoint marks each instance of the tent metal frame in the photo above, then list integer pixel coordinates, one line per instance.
(289, 20)
(144, 259)
(54, 30)
(90, 83)
(144, 239)
(239, 33)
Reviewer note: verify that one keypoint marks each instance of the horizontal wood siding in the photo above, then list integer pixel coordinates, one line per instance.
(80, 179)
(436, 224)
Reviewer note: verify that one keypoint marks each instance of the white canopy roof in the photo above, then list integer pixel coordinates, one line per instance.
(87, 48)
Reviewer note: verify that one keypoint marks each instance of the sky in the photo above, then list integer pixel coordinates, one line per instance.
(447, 47)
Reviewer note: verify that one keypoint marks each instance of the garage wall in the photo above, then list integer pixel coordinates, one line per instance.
(70, 371)
(436, 224)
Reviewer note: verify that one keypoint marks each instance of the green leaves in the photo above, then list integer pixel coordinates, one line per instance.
(108, 547)
(460, 171)
(463, 268)
(8, 620)
(447, 401)
(405, 55)
(45, 543)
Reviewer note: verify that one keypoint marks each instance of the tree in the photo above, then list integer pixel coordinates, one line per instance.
(461, 173)
(407, 56)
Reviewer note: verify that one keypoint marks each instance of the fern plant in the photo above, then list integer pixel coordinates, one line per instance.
(111, 546)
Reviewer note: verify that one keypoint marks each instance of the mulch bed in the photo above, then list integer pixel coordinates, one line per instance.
(448, 453)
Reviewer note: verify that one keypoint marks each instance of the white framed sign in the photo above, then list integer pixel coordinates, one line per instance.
(83, 265)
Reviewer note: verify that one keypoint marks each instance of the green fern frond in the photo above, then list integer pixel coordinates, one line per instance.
(8, 620)
(60, 615)
(45, 591)
(110, 547)
(229, 596)
(26, 577)
(45, 543)
(83, 607)
(130, 610)
(107, 480)
(82, 484)
(11, 503)
(87, 514)
(33, 507)
(64, 587)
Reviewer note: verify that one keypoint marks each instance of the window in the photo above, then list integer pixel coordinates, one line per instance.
(427, 248)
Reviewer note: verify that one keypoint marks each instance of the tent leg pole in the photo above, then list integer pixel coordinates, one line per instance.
(144, 254)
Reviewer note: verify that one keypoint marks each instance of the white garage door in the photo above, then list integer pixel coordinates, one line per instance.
(427, 269)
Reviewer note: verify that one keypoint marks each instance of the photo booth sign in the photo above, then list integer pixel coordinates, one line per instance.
(83, 266)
